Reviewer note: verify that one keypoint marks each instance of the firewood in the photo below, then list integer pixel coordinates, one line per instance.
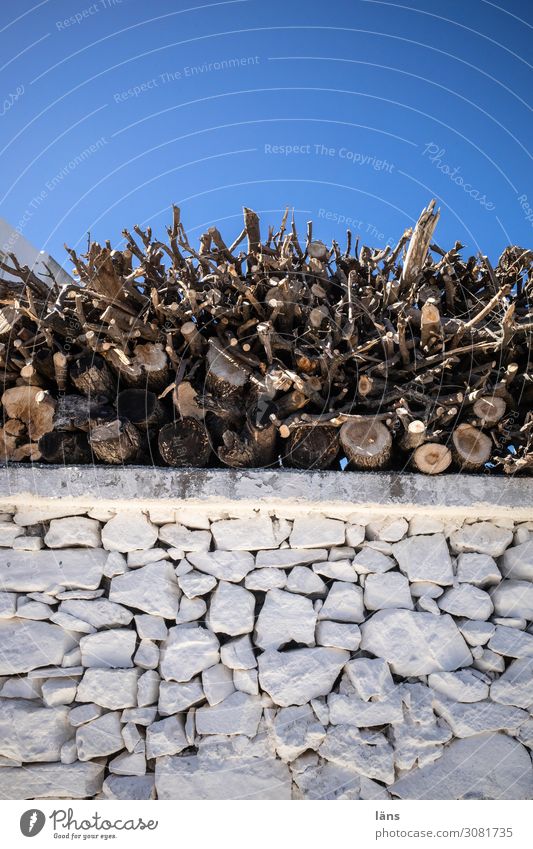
(471, 447)
(33, 406)
(64, 447)
(116, 442)
(313, 447)
(255, 446)
(91, 376)
(77, 412)
(489, 410)
(414, 436)
(185, 443)
(431, 458)
(225, 377)
(141, 408)
(367, 444)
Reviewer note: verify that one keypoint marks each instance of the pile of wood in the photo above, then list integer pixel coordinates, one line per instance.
(272, 350)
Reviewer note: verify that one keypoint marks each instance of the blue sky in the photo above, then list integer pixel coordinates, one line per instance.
(354, 112)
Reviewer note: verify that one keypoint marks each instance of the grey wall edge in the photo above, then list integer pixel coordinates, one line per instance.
(333, 493)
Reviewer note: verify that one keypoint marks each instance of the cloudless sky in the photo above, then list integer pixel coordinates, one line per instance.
(351, 111)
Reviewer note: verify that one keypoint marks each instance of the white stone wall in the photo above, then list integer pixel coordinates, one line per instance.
(170, 652)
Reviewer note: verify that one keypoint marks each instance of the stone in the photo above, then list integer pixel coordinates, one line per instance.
(150, 627)
(100, 613)
(71, 623)
(238, 713)
(462, 686)
(19, 720)
(69, 752)
(295, 677)
(28, 644)
(370, 560)
(52, 780)
(346, 746)
(238, 654)
(355, 534)
(166, 737)
(67, 595)
(285, 618)
(262, 580)
(389, 589)
(32, 609)
(487, 660)
(24, 543)
(245, 680)
(177, 698)
(425, 524)
(517, 562)
(230, 566)
(217, 683)
(196, 583)
(370, 678)
(129, 531)
(129, 788)
(339, 635)
(133, 740)
(84, 713)
(188, 650)
(351, 710)
(287, 558)
(142, 558)
(425, 589)
(8, 605)
(59, 691)
(304, 581)
(244, 534)
(515, 685)
(178, 536)
(128, 763)
(341, 552)
(328, 781)
(8, 533)
(513, 598)
(295, 730)
(147, 655)
(115, 564)
(468, 601)
(152, 589)
(231, 610)
(337, 570)
(475, 632)
(425, 558)
(236, 774)
(110, 688)
(344, 603)
(315, 531)
(415, 643)
(478, 569)
(190, 610)
(193, 518)
(511, 642)
(140, 715)
(73, 531)
(483, 537)
(466, 720)
(38, 571)
(35, 515)
(391, 529)
(148, 688)
(101, 736)
(21, 688)
(108, 649)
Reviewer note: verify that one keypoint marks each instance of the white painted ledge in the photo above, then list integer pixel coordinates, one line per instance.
(332, 493)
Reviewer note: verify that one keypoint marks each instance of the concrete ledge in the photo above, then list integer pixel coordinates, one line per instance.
(334, 493)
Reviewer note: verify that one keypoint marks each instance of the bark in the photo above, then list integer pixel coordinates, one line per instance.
(313, 447)
(116, 442)
(142, 409)
(471, 447)
(185, 443)
(367, 443)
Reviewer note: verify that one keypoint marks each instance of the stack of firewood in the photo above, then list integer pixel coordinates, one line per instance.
(272, 350)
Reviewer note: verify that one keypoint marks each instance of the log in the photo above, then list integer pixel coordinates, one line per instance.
(471, 448)
(312, 447)
(367, 444)
(255, 446)
(60, 370)
(116, 442)
(91, 376)
(225, 378)
(65, 447)
(185, 399)
(76, 412)
(430, 326)
(413, 436)
(141, 408)
(431, 458)
(194, 341)
(489, 409)
(33, 406)
(185, 443)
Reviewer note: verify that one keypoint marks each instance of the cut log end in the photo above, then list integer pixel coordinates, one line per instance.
(471, 447)
(185, 443)
(431, 458)
(116, 442)
(489, 410)
(313, 447)
(367, 443)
